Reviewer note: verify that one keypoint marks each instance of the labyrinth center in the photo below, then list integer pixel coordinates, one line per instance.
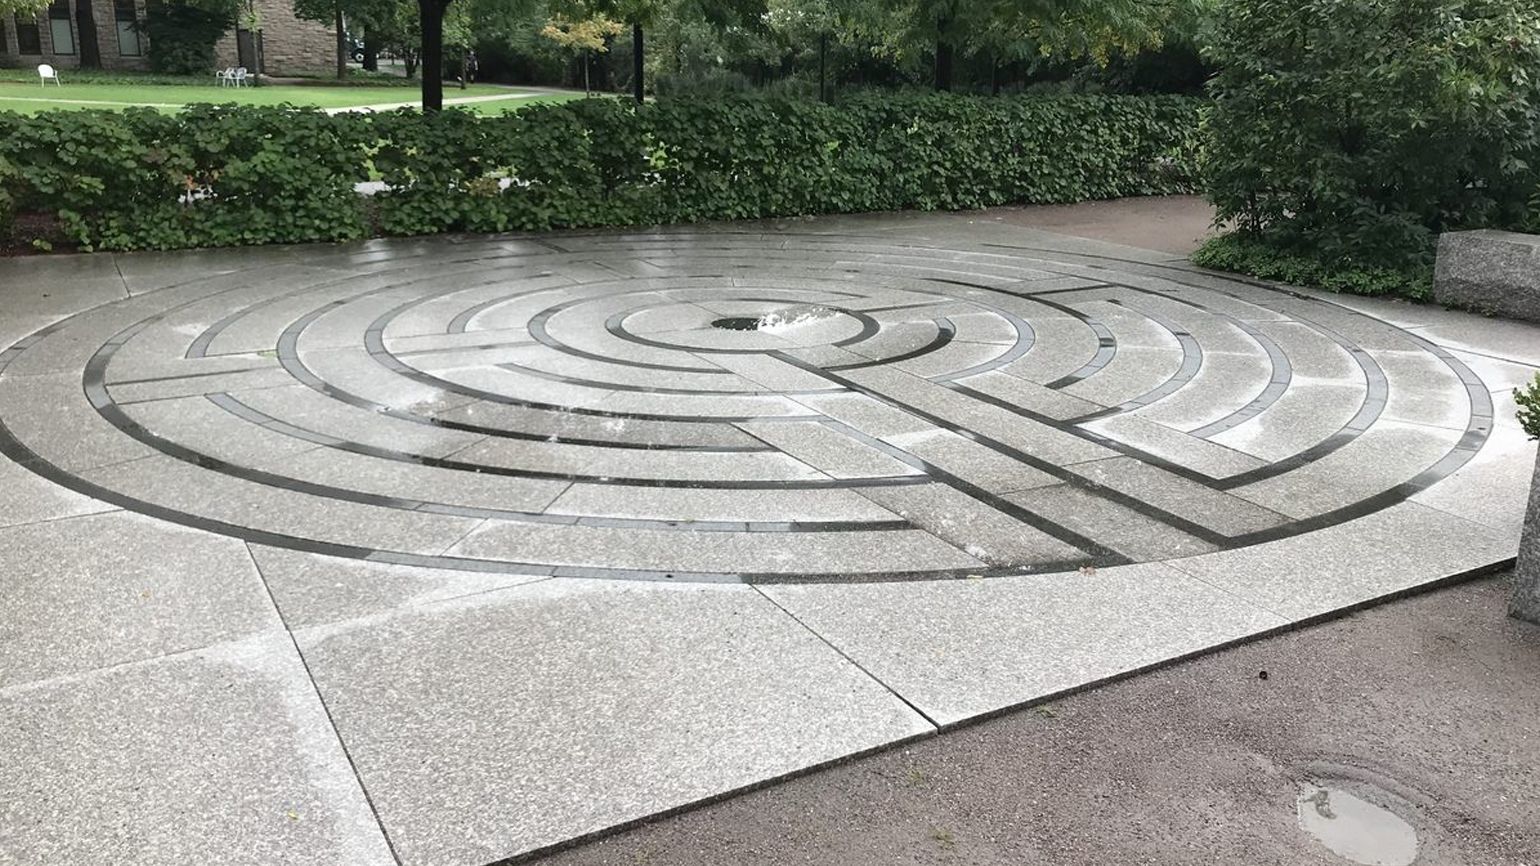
(738, 406)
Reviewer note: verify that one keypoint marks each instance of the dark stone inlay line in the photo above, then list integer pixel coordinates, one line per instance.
(537, 373)
(538, 330)
(1100, 554)
(1477, 431)
(1062, 533)
(1375, 397)
(201, 344)
(178, 377)
(1192, 361)
(1280, 376)
(1071, 428)
(1106, 343)
(278, 425)
(374, 344)
(290, 361)
(945, 331)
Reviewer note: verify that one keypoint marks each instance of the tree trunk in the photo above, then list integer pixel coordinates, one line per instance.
(994, 76)
(636, 63)
(465, 67)
(943, 64)
(944, 50)
(432, 60)
(90, 48)
(371, 52)
(342, 46)
(823, 53)
(587, 90)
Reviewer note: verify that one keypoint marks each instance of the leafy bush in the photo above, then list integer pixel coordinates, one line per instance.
(606, 162)
(210, 176)
(1528, 399)
(228, 175)
(1354, 131)
(1250, 255)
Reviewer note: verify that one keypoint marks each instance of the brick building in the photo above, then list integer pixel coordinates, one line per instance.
(52, 37)
(289, 46)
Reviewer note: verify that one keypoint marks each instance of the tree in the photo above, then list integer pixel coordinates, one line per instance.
(639, 13)
(1356, 132)
(399, 31)
(946, 31)
(585, 38)
(22, 8)
(338, 13)
(182, 33)
(90, 48)
(431, 16)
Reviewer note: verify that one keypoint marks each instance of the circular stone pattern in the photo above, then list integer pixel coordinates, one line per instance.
(576, 407)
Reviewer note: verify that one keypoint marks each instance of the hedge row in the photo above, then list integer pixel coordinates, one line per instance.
(222, 175)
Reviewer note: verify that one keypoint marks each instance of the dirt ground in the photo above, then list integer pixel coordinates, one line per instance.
(1174, 224)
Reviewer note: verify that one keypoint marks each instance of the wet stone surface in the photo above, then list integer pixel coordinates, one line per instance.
(532, 365)
(545, 536)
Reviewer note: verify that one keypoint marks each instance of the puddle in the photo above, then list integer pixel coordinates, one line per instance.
(777, 321)
(1354, 828)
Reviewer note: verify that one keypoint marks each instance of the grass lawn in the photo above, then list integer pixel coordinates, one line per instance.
(30, 98)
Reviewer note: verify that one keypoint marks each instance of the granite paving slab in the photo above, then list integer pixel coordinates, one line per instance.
(519, 719)
(220, 755)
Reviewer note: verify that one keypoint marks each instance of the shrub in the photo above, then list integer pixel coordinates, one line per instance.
(1528, 399)
(138, 179)
(1250, 255)
(606, 162)
(229, 175)
(1355, 131)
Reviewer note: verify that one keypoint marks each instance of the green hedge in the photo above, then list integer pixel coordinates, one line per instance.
(224, 175)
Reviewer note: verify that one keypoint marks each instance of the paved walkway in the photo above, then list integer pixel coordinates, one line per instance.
(1428, 707)
(450, 550)
(451, 101)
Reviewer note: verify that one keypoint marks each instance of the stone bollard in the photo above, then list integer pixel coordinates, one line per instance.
(1526, 592)
(1491, 272)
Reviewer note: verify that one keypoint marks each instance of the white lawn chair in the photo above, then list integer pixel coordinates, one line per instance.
(224, 76)
(240, 79)
(45, 73)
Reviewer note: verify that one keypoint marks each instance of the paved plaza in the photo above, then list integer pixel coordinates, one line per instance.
(450, 551)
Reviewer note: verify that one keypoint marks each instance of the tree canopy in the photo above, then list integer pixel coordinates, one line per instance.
(22, 7)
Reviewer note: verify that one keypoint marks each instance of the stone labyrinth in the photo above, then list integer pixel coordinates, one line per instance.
(736, 406)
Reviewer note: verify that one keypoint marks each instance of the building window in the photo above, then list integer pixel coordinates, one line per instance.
(129, 43)
(59, 27)
(28, 39)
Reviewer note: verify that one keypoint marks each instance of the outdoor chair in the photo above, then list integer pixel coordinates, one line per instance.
(240, 79)
(45, 73)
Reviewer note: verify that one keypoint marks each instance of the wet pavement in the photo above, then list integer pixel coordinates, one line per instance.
(502, 542)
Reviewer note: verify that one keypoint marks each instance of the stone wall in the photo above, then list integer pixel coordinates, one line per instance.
(290, 45)
(113, 45)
